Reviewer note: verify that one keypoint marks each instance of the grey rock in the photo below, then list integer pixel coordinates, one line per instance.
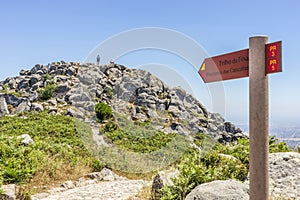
(37, 85)
(162, 179)
(26, 139)
(33, 96)
(12, 84)
(215, 190)
(284, 171)
(230, 128)
(51, 109)
(25, 72)
(12, 100)
(61, 90)
(52, 102)
(68, 185)
(23, 84)
(90, 74)
(71, 71)
(37, 68)
(3, 107)
(57, 72)
(104, 175)
(113, 73)
(37, 107)
(60, 79)
(75, 113)
(34, 79)
(152, 114)
(9, 192)
(23, 106)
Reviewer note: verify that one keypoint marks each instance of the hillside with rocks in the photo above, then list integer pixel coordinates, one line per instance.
(133, 92)
(140, 101)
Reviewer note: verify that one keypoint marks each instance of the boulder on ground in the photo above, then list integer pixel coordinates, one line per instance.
(215, 190)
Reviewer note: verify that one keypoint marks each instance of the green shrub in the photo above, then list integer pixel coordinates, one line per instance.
(195, 170)
(47, 92)
(276, 146)
(103, 111)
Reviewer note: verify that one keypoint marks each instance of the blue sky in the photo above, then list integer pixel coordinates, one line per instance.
(35, 31)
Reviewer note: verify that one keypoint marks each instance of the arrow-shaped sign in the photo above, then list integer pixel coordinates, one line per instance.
(236, 64)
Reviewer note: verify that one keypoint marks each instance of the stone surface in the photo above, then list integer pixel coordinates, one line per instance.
(104, 175)
(37, 107)
(3, 107)
(113, 190)
(9, 192)
(26, 139)
(23, 106)
(285, 175)
(215, 190)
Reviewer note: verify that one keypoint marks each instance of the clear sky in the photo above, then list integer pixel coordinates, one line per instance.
(35, 31)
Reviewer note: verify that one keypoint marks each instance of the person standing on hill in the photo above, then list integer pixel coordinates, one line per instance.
(98, 59)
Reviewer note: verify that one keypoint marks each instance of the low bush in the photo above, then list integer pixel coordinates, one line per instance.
(103, 111)
(46, 93)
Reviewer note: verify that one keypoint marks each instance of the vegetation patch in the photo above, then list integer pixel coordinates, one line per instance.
(136, 137)
(103, 111)
(46, 93)
(221, 163)
(57, 154)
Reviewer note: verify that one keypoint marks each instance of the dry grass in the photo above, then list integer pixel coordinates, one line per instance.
(136, 176)
(144, 194)
(53, 174)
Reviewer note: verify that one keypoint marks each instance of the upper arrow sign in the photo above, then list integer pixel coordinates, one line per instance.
(224, 67)
(236, 64)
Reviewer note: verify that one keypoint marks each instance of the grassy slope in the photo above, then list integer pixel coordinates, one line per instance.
(57, 153)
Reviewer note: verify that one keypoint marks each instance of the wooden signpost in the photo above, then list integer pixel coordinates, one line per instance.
(236, 64)
(256, 62)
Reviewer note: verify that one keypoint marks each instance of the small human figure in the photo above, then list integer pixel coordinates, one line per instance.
(98, 59)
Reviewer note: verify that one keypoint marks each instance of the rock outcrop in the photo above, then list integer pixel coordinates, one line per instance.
(74, 88)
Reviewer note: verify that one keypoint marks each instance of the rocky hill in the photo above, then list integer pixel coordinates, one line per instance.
(73, 89)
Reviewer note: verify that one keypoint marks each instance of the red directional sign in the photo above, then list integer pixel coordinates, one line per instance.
(224, 67)
(273, 57)
(236, 64)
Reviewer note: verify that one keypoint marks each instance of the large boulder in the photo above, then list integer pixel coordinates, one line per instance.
(24, 106)
(285, 175)
(216, 190)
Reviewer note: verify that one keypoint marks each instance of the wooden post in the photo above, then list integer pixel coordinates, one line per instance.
(259, 120)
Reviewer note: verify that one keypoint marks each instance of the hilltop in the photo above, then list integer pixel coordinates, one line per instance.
(74, 89)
